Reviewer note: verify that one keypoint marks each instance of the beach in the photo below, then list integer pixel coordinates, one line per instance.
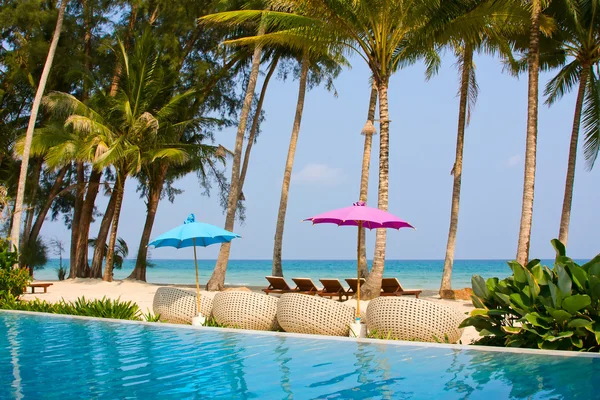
(143, 294)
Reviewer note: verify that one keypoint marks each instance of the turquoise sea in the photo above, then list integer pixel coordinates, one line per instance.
(423, 274)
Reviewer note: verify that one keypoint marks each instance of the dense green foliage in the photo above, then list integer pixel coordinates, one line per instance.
(540, 307)
(100, 308)
(12, 280)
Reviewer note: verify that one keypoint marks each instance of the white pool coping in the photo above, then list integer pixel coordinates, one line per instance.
(401, 343)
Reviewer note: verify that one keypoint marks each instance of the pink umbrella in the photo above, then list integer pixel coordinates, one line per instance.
(362, 216)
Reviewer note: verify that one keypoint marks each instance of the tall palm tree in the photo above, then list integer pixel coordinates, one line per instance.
(578, 25)
(16, 221)
(533, 71)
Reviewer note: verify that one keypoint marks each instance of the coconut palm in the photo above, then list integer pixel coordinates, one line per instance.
(16, 221)
(578, 30)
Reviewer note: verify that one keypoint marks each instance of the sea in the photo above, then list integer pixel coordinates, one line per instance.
(421, 274)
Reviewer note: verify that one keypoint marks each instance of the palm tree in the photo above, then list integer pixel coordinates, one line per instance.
(533, 70)
(578, 24)
(16, 222)
(121, 250)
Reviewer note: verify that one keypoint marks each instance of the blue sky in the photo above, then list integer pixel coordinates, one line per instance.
(422, 148)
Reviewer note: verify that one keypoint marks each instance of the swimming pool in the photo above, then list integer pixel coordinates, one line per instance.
(64, 358)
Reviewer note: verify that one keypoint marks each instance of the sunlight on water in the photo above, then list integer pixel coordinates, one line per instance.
(49, 357)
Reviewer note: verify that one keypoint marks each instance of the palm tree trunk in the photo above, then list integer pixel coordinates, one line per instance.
(85, 219)
(77, 206)
(254, 128)
(457, 170)
(110, 254)
(217, 280)
(114, 86)
(364, 183)
(35, 180)
(16, 220)
(139, 272)
(372, 286)
(531, 141)
(98, 257)
(565, 218)
(56, 188)
(277, 269)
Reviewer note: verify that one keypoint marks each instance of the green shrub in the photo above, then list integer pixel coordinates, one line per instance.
(13, 281)
(103, 308)
(540, 307)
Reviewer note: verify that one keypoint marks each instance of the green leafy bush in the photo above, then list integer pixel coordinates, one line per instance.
(103, 308)
(13, 281)
(540, 307)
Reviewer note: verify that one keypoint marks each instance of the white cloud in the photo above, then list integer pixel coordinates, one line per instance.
(513, 160)
(319, 174)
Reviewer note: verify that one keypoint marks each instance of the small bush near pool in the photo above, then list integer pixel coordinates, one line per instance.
(103, 308)
(12, 280)
(540, 307)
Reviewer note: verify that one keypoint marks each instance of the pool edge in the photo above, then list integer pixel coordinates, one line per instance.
(560, 353)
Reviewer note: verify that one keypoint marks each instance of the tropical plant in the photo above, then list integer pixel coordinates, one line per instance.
(539, 307)
(578, 33)
(16, 222)
(121, 250)
(33, 255)
(12, 280)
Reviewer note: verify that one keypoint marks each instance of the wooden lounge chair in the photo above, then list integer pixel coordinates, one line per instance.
(353, 283)
(306, 286)
(392, 287)
(39, 285)
(333, 288)
(277, 285)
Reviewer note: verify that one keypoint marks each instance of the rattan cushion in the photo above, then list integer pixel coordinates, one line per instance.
(246, 310)
(179, 306)
(414, 319)
(301, 313)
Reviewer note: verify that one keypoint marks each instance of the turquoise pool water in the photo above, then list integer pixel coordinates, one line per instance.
(62, 358)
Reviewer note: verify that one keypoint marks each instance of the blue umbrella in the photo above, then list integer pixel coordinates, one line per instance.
(193, 233)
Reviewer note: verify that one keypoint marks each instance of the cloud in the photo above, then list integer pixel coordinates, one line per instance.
(319, 174)
(513, 160)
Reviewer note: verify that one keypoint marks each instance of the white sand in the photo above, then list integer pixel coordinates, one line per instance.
(143, 294)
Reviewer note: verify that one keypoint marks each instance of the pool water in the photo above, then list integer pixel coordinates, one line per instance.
(69, 358)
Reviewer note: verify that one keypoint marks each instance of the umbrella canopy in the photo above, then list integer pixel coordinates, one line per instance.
(360, 214)
(363, 217)
(193, 233)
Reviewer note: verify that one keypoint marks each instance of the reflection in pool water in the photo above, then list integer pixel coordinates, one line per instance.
(53, 357)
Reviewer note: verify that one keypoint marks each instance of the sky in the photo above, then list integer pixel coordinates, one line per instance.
(423, 127)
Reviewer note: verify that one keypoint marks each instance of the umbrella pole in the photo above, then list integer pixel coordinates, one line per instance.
(197, 279)
(358, 272)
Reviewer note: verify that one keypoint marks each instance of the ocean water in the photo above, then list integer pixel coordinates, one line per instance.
(63, 358)
(423, 274)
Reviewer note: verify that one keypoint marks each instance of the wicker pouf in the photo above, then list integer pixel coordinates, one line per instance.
(245, 310)
(414, 319)
(301, 313)
(179, 306)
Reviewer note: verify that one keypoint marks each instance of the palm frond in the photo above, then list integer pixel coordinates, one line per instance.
(591, 120)
(563, 82)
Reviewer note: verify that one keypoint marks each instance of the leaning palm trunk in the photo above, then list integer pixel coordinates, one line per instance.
(85, 221)
(35, 179)
(457, 170)
(16, 220)
(255, 120)
(56, 188)
(364, 179)
(139, 272)
(565, 218)
(110, 253)
(217, 280)
(77, 206)
(98, 256)
(277, 269)
(533, 65)
(372, 286)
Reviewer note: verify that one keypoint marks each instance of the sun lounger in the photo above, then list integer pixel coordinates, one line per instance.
(277, 285)
(392, 287)
(353, 283)
(306, 286)
(333, 288)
